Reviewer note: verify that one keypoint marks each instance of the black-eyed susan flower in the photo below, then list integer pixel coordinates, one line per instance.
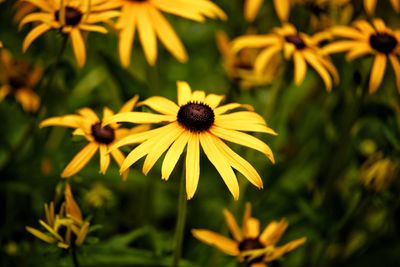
(145, 17)
(65, 228)
(362, 39)
(87, 124)
(297, 46)
(18, 77)
(239, 67)
(257, 248)
(197, 120)
(70, 17)
(370, 6)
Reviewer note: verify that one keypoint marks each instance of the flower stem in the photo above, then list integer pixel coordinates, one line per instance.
(74, 256)
(181, 220)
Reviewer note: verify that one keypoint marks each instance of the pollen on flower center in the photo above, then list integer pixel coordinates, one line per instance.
(103, 135)
(73, 16)
(296, 40)
(383, 42)
(251, 244)
(196, 117)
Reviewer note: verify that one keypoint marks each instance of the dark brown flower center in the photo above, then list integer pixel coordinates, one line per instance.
(196, 117)
(103, 135)
(296, 40)
(383, 42)
(72, 16)
(251, 244)
(16, 83)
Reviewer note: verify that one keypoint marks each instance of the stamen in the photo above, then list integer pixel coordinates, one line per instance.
(296, 40)
(103, 135)
(196, 117)
(73, 16)
(383, 42)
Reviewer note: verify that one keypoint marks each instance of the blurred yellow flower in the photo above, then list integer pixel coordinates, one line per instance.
(370, 6)
(22, 8)
(239, 67)
(196, 120)
(363, 38)
(98, 195)
(65, 228)
(145, 17)
(378, 172)
(70, 17)
(300, 47)
(18, 77)
(257, 249)
(87, 124)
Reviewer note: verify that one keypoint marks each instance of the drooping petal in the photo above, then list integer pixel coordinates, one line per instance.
(222, 243)
(315, 63)
(126, 37)
(369, 6)
(244, 140)
(216, 157)
(33, 35)
(254, 41)
(161, 145)
(264, 58)
(119, 158)
(104, 159)
(147, 34)
(377, 72)
(78, 46)
(251, 8)
(300, 68)
(71, 121)
(40, 235)
(396, 69)
(129, 105)
(240, 164)
(282, 8)
(173, 154)
(168, 36)
(279, 251)
(80, 160)
(139, 117)
(192, 164)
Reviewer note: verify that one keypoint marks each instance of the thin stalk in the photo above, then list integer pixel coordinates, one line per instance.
(181, 220)
(74, 256)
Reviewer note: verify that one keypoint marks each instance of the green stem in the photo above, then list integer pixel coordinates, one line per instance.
(181, 220)
(74, 256)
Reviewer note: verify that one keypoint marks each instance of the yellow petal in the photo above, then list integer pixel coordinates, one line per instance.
(34, 34)
(161, 105)
(232, 225)
(369, 6)
(71, 121)
(273, 232)
(213, 100)
(147, 34)
(228, 107)
(251, 8)
(184, 92)
(240, 164)
(253, 228)
(315, 63)
(192, 164)
(40, 235)
(244, 140)
(264, 58)
(173, 154)
(282, 8)
(222, 243)
(300, 68)
(161, 145)
(377, 72)
(279, 251)
(139, 117)
(71, 206)
(78, 46)
(104, 159)
(254, 41)
(219, 161)
(129, 105)
(396, 69)
(126, 38)
(80, 160)
(167, 35)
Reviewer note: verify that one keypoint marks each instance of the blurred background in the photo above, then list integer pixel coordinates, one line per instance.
(336, 177)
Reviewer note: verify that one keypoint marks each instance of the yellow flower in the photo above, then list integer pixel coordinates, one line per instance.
(196, 120)
(370, 5)
(98, 195)
(71, 19)
(87, 124)
(17, 77)
(363, 39)
(258, 249)
(22, 8)
(295, 45)
(378, 172)
(65, 228)
(239, 67)
(145, 17)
